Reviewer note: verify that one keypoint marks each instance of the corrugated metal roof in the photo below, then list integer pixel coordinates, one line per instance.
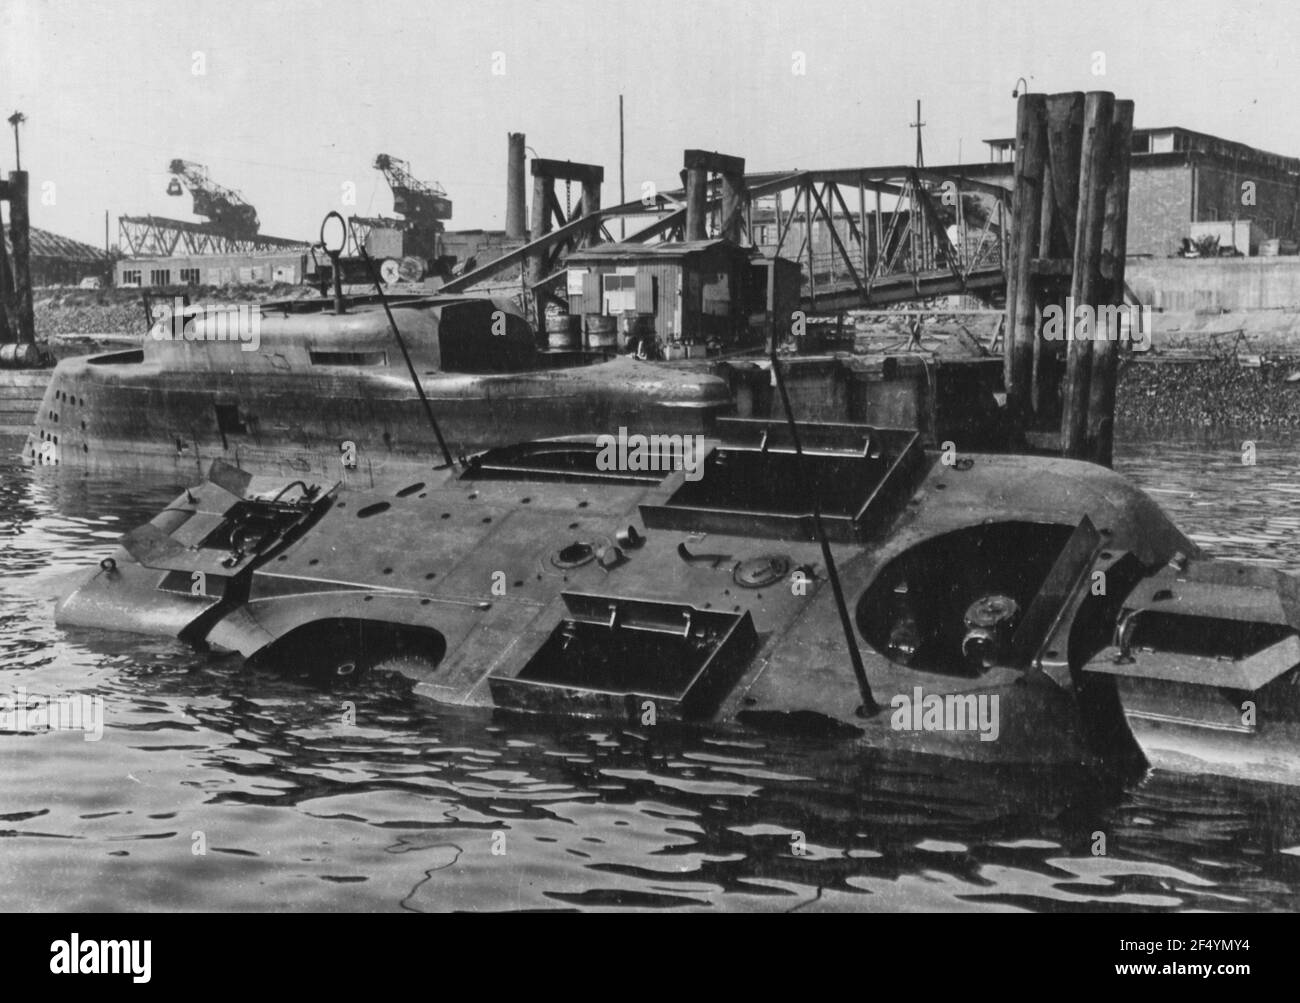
(51, 245)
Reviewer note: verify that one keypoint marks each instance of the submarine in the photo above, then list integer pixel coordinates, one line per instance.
(248, 384)
(834, 579)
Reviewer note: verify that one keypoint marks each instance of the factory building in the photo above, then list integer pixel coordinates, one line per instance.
(1185, 184)
(211, 270)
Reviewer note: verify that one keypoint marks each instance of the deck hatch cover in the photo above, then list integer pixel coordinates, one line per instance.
(608, 654)
(751, 485)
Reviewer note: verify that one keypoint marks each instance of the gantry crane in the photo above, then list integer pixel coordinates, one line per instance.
(230, 214)
(418, 201)
(405, 247)
(231, 228)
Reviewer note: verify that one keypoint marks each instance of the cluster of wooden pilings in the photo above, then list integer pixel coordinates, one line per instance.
(1068, 244)
(548, 210)
(17, 318)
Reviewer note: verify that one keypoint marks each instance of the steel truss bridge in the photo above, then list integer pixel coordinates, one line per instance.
(160, 237)
(865, 236)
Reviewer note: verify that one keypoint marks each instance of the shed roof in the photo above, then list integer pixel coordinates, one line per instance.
(50, 245)
(664, 249)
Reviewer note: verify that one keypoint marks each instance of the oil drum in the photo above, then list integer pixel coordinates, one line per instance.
(637, 328)
(602, 331)
(18, 356)
(561, 331)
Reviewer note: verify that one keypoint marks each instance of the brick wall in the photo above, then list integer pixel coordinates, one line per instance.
(1159, 209)
(1219, 194)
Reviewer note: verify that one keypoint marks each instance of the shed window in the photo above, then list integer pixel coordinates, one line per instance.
(1162, 142)
(131, 277)
(189, 276)
(619, 293)
(160, 277)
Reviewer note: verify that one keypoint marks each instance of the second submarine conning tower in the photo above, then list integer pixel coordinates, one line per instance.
(515, 212)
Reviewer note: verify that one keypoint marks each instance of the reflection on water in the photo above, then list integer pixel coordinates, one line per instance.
(419, 807)
(1229, 507)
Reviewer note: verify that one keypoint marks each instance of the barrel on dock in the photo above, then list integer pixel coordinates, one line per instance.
(19, 356)
(561, 330)
(635, 328)
(602, 330)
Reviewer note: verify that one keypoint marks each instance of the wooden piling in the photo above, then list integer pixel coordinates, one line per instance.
(535, 264)
(697, 202)
(543, 195)
(7, 331)
(1068, 243)
(1021, 327)
(1056, 243)
(1114, 249)
(20, 234)
(1065, 113)
(730, 207)
(1086, 285)
(590, 197)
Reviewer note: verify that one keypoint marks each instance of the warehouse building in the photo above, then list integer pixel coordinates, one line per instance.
(62, 261)
(1184, 181)
(212, 270)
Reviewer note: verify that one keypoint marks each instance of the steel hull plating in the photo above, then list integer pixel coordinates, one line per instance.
(506, 586)
(296, 388)
(134, 417)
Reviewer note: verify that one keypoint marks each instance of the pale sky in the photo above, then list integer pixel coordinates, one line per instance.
(298, 96)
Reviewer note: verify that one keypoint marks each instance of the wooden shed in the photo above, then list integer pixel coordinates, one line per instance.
(691, 292)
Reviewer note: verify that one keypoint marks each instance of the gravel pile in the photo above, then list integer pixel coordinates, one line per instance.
(1209, 393)
(100, 318)
(120, 311)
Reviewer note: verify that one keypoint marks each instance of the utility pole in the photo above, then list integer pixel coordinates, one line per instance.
(920, 161)
(622, 191)
(16, 119)
(917, 231)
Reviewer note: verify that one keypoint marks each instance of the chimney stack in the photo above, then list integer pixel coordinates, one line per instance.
(515, 187)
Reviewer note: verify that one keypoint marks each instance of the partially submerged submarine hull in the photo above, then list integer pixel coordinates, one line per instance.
(984, 594)
(329, 396)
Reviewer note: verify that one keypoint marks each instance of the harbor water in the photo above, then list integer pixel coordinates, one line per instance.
(217, 788)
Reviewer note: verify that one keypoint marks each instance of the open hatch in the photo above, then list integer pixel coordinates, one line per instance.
(753, 484)
(608, 654)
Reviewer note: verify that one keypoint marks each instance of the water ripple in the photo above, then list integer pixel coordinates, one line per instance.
(215, 787)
